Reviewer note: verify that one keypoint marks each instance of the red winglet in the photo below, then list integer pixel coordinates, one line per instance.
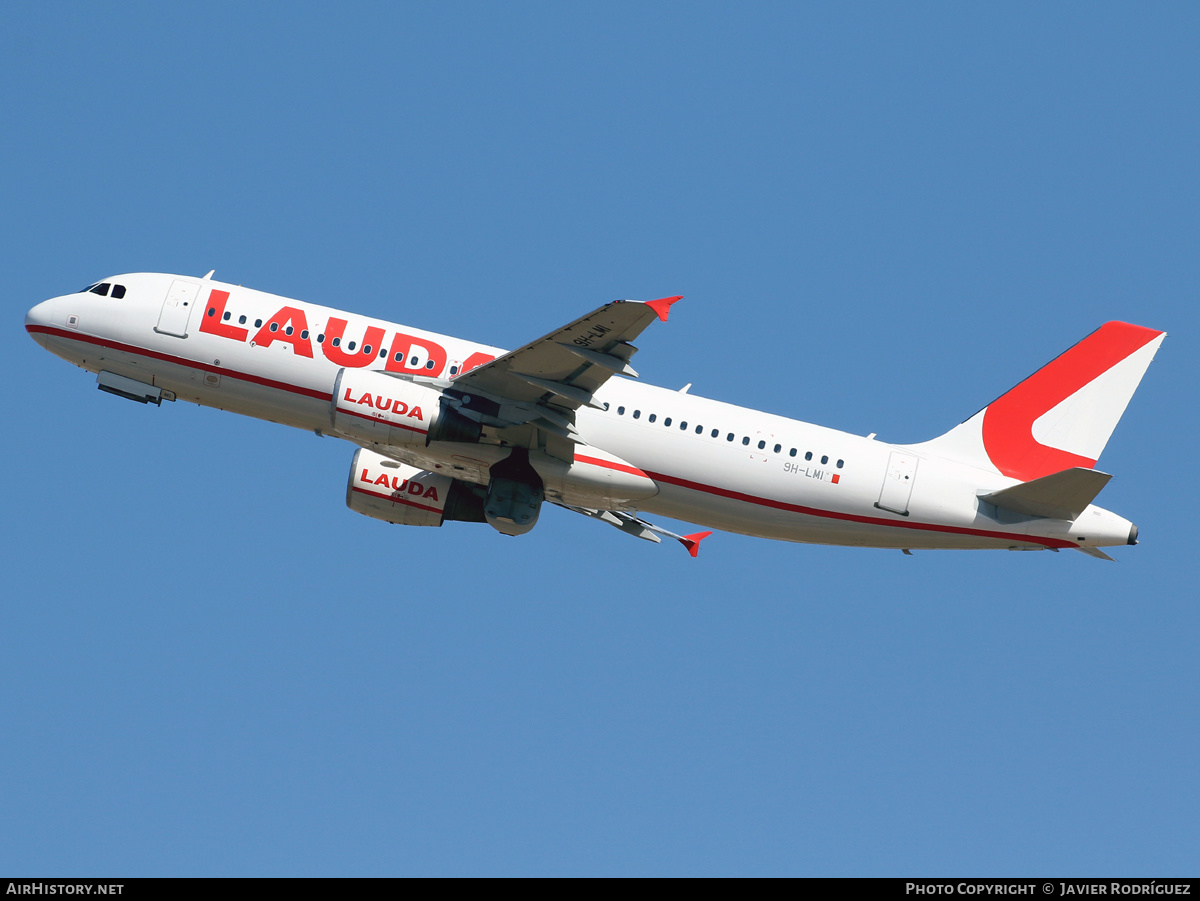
(661, 307)
(692, 542)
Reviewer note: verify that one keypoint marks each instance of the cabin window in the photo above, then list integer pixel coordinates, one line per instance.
(667, 421)
(304, 334)
(840, 463)
(350, 345)
(699, 429)
(366, 349)
(683, 426)
(716, 433)
(211, 312)
(453, 369)
(729, 437)
(808, 455)
(226, 316)
(605, 403)
(792, 452)
(274, 326)
(652, 417)
(778, 448)
(118, 291)
(620, 411)
(429, 365)
(413, 361)
(288, 330)
(258, 323)
(824, 460)
(746, 440)
(336, 342)
(761, 445)
(637, 414)
(241, 320)
(320, 339)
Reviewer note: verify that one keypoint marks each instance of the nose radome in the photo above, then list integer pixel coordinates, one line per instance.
(40, 315)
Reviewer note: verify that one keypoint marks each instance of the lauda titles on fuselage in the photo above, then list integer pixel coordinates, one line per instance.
(448, 429)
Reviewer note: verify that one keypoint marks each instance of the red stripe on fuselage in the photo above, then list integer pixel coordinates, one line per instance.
(852, 517)
(180, 361)
(670, 480)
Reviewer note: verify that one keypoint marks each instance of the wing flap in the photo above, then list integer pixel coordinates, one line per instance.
(571, 393)
(1062, 495)
(608, 361)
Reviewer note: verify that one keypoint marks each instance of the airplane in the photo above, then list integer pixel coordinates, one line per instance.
(451, 430)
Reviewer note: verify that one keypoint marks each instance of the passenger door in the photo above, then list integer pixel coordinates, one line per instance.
(177, 308)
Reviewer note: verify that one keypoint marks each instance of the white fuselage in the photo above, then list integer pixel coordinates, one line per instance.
(716, 464)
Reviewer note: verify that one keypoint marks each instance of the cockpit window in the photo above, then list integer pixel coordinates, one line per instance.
(101, 288)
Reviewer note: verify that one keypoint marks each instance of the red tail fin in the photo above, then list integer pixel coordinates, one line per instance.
(1061, 416)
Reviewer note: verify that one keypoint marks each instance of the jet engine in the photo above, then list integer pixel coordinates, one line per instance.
(376, 408)
(394, 492)
(514, 494)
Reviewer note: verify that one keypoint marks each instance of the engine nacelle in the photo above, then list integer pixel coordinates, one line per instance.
(514, 495)
(394, 492)
(375, 408)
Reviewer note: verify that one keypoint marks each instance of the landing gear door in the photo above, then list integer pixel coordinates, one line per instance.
(177, 308)
(898, 483)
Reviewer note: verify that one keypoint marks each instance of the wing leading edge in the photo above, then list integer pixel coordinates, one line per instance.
(530, 395)
(567, 366)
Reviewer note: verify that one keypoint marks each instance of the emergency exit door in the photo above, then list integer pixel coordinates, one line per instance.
(898, 483)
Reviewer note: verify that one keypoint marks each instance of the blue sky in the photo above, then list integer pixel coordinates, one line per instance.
(882, 216)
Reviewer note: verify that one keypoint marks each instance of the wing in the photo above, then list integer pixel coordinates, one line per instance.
(528, 397)
(640, 528)
(539, 387)
(566, 366)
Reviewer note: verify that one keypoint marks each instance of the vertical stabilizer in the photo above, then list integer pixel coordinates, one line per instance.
(1062, 416)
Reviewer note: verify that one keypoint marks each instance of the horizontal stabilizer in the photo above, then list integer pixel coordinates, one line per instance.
(1063, 495)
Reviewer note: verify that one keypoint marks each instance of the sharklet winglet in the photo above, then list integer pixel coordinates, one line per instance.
(662, 306)
(692, 542)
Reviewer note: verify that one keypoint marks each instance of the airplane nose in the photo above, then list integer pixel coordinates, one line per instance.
(40, 315)
(40, 319)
